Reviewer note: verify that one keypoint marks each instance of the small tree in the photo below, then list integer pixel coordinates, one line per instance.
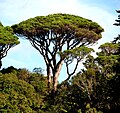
(55, 33)
(75, 55)
(7, 41)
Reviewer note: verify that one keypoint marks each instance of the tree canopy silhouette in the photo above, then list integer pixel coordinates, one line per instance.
(118, 20)
(7, 40)
(57, 33)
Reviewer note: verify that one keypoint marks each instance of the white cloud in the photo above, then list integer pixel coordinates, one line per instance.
(18, 10)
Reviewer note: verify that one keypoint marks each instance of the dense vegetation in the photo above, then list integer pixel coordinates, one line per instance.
(94, 89)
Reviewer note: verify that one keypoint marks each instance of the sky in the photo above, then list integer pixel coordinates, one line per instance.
(14, 11)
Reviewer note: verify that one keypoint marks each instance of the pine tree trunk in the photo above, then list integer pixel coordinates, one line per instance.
(49, 78)
(55, 77)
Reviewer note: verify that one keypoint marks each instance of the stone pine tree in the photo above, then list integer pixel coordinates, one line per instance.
(56, 33)
(7, 40)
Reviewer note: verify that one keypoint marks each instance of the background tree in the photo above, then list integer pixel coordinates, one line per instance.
(109, 61)
(55, 33)
(118, 20)
(96, 88)
(7, 41)
(107, 58)
(21, 95)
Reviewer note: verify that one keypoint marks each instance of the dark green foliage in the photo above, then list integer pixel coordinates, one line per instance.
(7, 37)
(58, 23)
(7, 40)
(108, 57)
(9, 70)
(18, 95)
(39, 82)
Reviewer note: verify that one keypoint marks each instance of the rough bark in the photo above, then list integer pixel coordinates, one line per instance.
(55, 77)
(49, 78)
